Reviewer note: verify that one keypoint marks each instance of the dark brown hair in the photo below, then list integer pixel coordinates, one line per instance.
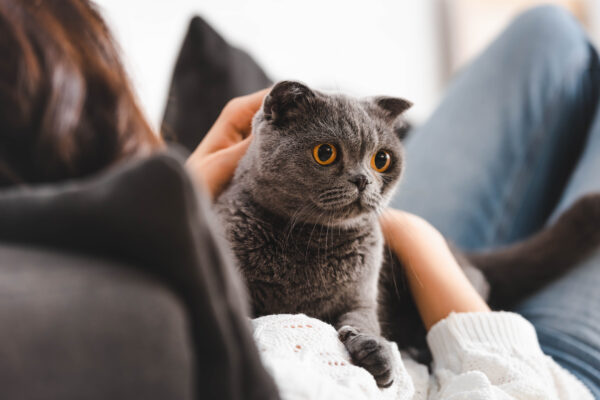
(66, 107)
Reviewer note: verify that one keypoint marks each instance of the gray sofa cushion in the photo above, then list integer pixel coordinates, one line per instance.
(146, 214)
(74, 327)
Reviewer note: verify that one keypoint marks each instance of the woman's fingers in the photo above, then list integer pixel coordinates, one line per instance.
(216, 170)
(238, 113)
(215, 159)
(233, 125)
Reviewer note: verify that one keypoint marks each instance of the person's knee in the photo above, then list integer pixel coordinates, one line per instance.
(549, 30)
(546, 44)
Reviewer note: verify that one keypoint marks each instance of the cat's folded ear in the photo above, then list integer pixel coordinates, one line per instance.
(390, 108)
(286, 100)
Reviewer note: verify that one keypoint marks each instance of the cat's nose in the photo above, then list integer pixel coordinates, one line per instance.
(361, 181)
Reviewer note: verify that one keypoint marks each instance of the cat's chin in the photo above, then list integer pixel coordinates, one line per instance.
(346, 215)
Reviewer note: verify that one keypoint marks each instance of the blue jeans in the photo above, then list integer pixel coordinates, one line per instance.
(515, 141)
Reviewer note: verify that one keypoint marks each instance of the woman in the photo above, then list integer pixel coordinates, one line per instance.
(520, 132)
(66, 111)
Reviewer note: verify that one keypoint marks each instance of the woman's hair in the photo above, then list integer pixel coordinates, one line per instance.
(66, 107)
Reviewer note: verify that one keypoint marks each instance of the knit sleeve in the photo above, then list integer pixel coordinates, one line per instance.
(495, 355)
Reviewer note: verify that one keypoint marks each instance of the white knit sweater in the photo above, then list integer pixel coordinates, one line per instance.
(476, 356)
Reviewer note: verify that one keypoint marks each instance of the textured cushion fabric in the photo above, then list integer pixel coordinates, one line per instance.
(146, 214)
(207, 74)
(78, 328)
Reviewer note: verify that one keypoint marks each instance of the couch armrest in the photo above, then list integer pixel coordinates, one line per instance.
(77, 328)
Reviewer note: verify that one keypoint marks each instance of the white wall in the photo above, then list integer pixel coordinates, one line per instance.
(360, 47)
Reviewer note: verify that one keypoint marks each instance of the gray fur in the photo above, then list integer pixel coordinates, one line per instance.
(307, 240)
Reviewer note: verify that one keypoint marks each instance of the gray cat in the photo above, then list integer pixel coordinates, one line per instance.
(302, 212)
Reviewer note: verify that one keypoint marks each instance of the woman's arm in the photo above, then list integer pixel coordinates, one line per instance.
(437, 282)
(476, 353)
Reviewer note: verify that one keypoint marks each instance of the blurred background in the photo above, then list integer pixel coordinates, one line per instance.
(407, 48)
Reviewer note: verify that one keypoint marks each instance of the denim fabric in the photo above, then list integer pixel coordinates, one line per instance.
(566, 315)
(491, 163)
(514, 142)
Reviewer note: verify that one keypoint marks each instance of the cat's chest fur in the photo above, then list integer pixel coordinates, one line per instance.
(297, 267)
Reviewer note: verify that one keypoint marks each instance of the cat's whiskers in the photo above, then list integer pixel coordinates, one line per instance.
(295, 217)
(320, 270)
(326, 270)
(327, 235)
(310, 236)
(320, 239)
(292, 224)
(392, 266)
(338, 202)
(326, 195)
(374, 202)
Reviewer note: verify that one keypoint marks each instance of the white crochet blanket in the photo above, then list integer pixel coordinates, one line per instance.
(308, 361)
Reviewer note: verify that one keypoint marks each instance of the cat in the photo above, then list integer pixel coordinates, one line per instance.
(301, 216)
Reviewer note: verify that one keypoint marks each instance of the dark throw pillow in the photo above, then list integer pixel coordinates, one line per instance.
(208, 73)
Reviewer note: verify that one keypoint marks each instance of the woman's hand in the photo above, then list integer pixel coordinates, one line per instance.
(437, 282)
(213, 162)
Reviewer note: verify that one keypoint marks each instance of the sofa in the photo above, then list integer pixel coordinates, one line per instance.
(118, 287)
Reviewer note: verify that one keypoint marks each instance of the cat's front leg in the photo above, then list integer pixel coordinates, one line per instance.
(360, 333)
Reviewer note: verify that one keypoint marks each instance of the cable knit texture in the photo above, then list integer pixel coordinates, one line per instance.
(476, 356)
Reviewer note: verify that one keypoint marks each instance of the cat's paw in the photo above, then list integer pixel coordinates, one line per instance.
(373, 353)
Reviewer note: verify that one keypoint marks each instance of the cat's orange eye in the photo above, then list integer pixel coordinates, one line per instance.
(324, 153)
(381, 161)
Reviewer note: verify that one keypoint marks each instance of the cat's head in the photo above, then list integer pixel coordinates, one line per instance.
(324, 158)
